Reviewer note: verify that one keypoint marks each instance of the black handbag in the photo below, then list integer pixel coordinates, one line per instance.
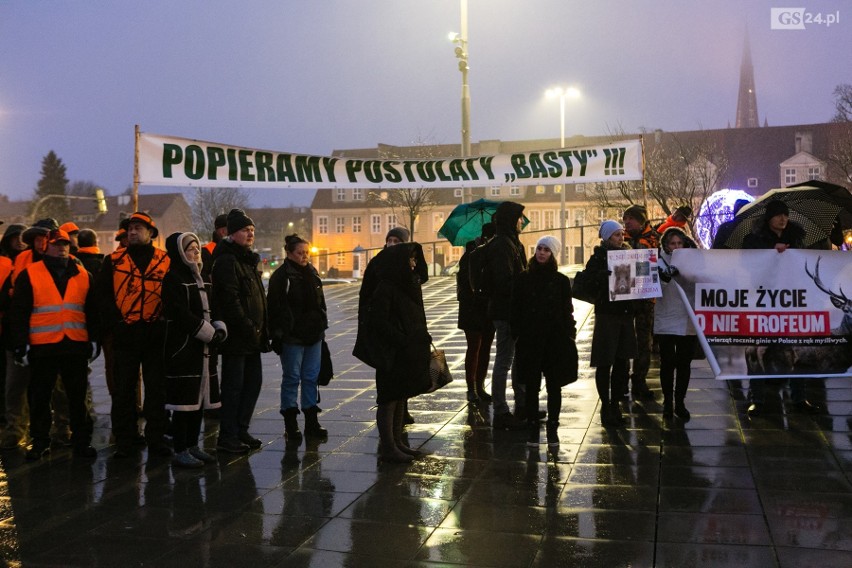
(326, 367)
(585, 288)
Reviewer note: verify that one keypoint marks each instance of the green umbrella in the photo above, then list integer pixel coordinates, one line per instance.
(465, 221)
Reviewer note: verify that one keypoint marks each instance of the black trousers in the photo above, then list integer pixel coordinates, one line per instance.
(675, 360)
(138, 345)
(74, 372)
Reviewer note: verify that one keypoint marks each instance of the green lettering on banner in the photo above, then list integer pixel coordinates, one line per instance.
(193, 165)
(407, 167)
(284, 168)
(426, 171)
(457, 170)
(172, 156)
(485, 162)
(328, 164)
(569, 166)
(373, 171)
(519, 164)
(352, 169)
(439, 170)
(537, 166)
(391, 173)
(307, 168)
(232, 164)
(263, 162)
(554, 168)
(215, 159)
(582, 157)
(246, 166)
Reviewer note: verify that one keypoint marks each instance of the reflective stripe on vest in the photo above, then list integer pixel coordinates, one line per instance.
(53, 317)
(138, 296)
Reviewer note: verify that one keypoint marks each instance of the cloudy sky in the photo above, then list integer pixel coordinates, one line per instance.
(317, 76)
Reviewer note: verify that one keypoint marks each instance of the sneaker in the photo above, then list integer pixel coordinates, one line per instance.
(185, 459)
(200, 454)
(85, 451)
(232, 446)
(250, 440)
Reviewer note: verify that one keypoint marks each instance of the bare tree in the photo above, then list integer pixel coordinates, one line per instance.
(208, 203)
(407, 202)
(842, 103)
(840, 157)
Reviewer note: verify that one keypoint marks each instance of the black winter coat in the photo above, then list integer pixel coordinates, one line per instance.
(763, 237)
(396, 331)
(239, 299)
(473, 308)
(189, 386)
(297, 310)
(506, 259)
(543, 325)
(597, 266)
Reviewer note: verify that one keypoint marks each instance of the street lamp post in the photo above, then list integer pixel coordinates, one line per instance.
(562, 93)
(460, 39)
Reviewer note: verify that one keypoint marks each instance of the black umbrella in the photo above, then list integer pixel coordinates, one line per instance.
(817, 209)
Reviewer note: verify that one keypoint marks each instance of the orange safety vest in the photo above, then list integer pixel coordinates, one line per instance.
(53, 317)
(22, 261)
(6, 267)
(209, 247)
(138, 296)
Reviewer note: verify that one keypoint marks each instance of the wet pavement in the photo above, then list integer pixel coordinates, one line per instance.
(718, 491)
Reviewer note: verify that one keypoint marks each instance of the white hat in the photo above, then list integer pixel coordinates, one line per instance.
(608, 228)
(550, 242)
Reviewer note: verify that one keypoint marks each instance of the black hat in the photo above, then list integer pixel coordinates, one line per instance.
(637, 212)
(400, 233)
(776, 207)
(684, 210)
(221, 221)
(40, 227)
(140, 217)
(237, 219)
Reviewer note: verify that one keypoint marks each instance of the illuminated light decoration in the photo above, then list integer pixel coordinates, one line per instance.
(715, 210)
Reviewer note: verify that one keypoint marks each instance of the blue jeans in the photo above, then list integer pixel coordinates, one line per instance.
(504, 360)
(241, 380)
(300, 365)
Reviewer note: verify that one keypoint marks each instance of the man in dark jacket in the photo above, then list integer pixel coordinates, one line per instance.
(129, 289)
(53, 314)
(505, 260)
(640, 235)
(88, 252)
(239, 300)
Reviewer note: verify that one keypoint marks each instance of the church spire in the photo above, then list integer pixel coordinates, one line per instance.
(747, 98)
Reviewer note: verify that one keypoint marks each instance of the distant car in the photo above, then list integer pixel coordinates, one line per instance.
(450, 269)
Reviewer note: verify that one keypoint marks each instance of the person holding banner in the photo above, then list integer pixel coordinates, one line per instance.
(776, 231)
(641, 235)
(673, 329)
(614, 337)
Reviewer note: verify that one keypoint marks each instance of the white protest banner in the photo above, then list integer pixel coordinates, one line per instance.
(760, 313)
(172, 161)
(633, 274)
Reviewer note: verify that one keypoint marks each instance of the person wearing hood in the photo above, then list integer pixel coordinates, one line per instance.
(370, 281)
(505, 260)
(474, 321)
(189, 353)
(725, 229)
(673, 329)
(239, 300)
(53, 320)
(614, 337)
(544, 329)
(130, 288)
(395, 329)
(298, 318)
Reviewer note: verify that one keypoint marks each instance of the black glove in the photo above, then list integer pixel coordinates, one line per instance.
(218, 338)
(277, 346)
(21, 356)
(96, 351)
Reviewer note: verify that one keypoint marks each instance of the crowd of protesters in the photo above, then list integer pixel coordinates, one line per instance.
(163, 318)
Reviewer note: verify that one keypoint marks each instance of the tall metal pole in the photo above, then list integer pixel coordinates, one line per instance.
(465, 94)
(135, 197)
(562, 193)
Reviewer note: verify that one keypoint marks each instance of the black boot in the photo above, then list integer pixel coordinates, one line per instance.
(681, 411)
(291, 426)
(552, 433)
(668, 408)
(615, 417)
(312, 425)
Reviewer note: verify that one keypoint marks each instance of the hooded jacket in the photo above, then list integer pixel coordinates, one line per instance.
(297, 310)
(598, 267)
(506, 259)
(190, 361)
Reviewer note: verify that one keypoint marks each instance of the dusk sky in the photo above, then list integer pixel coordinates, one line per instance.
(314, 77)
